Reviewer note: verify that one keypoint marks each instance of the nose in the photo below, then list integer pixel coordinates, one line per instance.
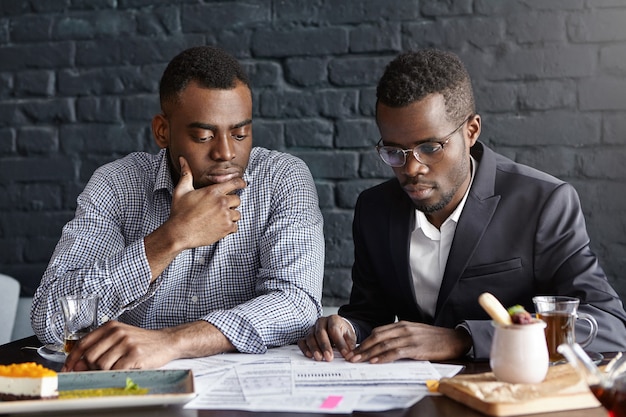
(413, 167)
(223, 148)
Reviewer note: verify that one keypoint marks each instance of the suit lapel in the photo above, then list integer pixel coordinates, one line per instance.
(479, 208)
(401, 225)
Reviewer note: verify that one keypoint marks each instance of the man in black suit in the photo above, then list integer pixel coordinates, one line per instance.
(458, 220)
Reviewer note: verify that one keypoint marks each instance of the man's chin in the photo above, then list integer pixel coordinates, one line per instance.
(220, 179)
(197, 186)
(213, 181)
(430, 208)
(426, 205)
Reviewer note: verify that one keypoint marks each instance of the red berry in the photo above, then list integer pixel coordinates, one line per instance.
(522, 317)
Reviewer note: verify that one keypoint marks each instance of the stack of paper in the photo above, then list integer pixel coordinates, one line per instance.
(284, 380)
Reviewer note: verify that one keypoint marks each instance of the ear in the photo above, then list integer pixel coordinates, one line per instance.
(473, 129)
(160, 130)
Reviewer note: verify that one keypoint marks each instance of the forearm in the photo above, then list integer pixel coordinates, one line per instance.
(283, 320)
(198, 339)
(161, 247)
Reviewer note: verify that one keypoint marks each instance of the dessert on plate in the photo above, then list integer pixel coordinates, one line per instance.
(27, 381)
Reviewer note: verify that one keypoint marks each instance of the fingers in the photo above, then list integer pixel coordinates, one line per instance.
(408, 340)
(342, 335)
(89, 352)
(80, 366)
(385, 344)
(185, 183)
(230, 214)
(106, 354)
(112, 346)
(304, 348)
(74, 360)
(230, 186)
(328, 332)
(201, 217)
(316, 344)
(319, 341)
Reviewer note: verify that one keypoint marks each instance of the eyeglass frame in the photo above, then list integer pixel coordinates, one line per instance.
(441, 142)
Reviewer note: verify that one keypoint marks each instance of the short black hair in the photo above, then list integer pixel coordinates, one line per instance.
(209, 66)
(413, 75)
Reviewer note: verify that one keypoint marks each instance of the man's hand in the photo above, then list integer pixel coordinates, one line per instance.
(202, 217)
(407, 340)
(328, 332)
(116, 345)
(198, 218)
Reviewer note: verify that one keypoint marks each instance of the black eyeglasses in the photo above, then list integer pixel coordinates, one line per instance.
(427, 153)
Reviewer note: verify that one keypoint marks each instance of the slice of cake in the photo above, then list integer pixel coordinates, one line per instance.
(27, 381)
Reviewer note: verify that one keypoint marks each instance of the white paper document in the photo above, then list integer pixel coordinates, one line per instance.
(284, 380)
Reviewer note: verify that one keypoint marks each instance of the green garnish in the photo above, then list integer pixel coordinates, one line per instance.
(131, 385)
(519, 315)
(516, 309)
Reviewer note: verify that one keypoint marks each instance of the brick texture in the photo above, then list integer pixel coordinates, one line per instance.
(79, 84)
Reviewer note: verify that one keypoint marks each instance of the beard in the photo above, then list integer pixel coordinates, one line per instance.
(458, 177)
(444, 201)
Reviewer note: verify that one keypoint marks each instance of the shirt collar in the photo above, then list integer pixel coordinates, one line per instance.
(163, 179)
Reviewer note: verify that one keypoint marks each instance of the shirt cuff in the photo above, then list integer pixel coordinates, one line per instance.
(464, 326)
(350, 323)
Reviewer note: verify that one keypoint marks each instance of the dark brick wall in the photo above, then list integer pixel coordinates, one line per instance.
(78, 84)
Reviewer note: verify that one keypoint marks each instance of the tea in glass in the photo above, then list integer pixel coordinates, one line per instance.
(560, 314)
(559, 329)
(72, 339)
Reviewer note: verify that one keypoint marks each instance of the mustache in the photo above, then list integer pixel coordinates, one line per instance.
(414, 182)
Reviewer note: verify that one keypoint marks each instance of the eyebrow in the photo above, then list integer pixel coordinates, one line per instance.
(419, 142)
(207, 126)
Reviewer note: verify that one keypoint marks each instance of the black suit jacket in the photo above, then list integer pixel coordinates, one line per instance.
(521, 233)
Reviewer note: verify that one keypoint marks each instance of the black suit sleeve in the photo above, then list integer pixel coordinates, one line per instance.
(564, 265)
(368, 307)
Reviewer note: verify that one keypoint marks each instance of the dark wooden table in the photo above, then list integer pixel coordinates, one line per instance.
(430, 406)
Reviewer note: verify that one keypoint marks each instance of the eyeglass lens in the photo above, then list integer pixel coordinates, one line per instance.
(426, 153)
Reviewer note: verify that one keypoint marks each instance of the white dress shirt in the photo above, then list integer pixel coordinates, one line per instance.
(429, 253)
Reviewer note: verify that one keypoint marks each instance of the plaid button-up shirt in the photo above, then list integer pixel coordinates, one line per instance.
(261, 286)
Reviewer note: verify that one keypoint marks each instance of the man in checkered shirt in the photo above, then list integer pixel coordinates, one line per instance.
(209, 246)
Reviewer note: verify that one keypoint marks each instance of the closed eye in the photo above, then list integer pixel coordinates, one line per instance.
(429, 147)
(203, 139)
